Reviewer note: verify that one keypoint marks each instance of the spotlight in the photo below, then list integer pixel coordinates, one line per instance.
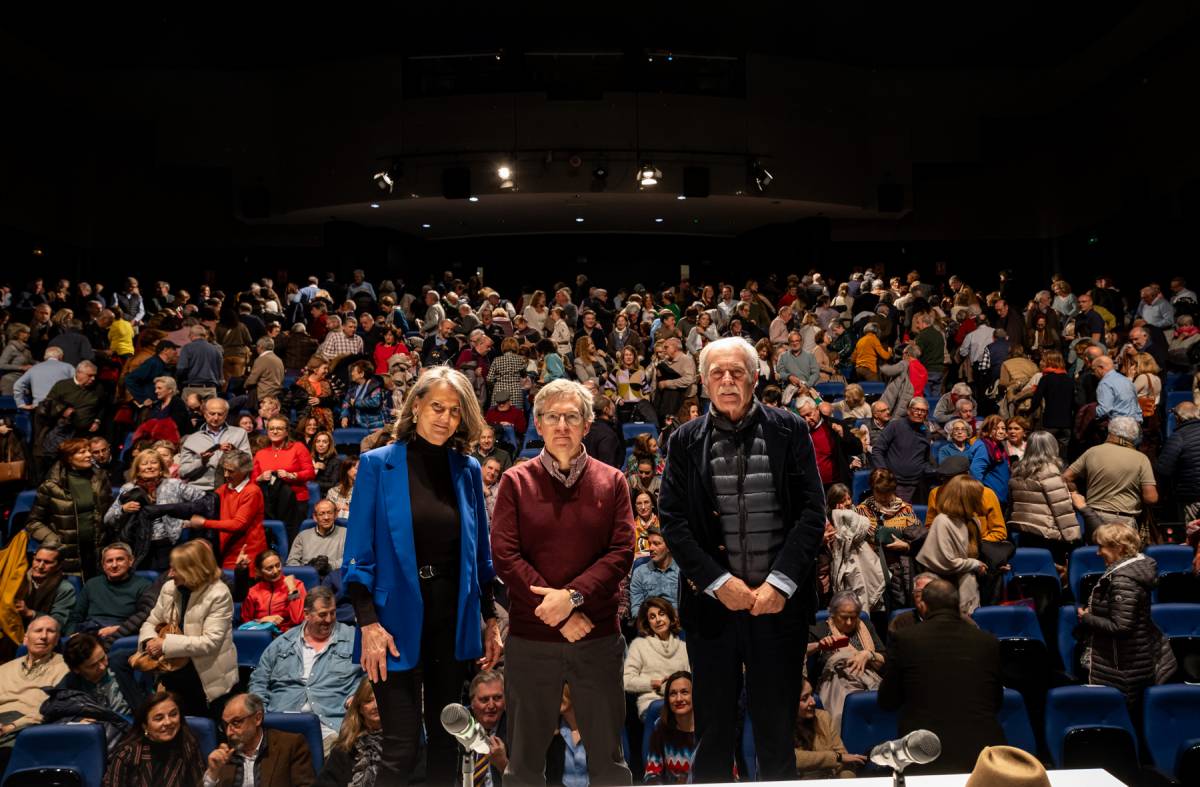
(472, 199)
(681, 197)
(658, 221)
(761, 177)
(649, 175)
(506, 174)
(426, 226)
(579, 219)
(600, 178)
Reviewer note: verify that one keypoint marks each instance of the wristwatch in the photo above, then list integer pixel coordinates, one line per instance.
(576, 598)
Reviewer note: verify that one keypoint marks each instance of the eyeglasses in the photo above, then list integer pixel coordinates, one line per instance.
(236, 722)
(554, 419)
(738, 373)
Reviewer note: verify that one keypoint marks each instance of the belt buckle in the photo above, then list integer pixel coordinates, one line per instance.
(426, 572)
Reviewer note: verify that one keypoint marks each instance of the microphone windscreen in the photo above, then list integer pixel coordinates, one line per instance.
(456, 719)
(923, 746)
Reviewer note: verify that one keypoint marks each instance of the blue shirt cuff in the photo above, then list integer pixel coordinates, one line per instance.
(716, 585)
(781, 583)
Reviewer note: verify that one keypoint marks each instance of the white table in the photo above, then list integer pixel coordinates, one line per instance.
(1090, 777)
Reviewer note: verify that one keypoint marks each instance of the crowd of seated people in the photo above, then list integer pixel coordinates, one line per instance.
(179, 469)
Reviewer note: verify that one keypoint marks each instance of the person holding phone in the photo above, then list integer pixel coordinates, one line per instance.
(848, 654)
(201, 452)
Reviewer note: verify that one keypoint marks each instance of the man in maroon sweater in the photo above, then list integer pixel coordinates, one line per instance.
(562, 540)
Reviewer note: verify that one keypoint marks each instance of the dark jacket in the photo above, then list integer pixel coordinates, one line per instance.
(903, 448)
(1129, 652)
(605, 442)
(1179, 463)
(131, 690)
(943, 675)
(286, 763)
(54, 516)
(844, 447)
(692, 527)
(73, 701)
(75, 346)
(1057, 392)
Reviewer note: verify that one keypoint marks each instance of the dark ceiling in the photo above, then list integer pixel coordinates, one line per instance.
(937, 35)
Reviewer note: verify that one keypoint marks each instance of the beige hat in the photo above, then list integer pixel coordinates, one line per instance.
(1007, 766)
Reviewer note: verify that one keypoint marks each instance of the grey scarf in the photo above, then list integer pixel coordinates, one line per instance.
(368, 750)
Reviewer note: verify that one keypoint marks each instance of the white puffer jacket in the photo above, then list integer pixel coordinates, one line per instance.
(207, 637)
(1042, 506)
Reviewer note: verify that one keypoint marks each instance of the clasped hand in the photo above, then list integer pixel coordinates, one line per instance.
(763, 600)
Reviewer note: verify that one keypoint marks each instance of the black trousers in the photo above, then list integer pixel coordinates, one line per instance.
(767, 646)
(435, 682)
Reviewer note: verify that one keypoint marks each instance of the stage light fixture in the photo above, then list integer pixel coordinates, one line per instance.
(506, 175)
(579, 219)
(384, 181)
(649, 175)
(472, 198)
(760, 175)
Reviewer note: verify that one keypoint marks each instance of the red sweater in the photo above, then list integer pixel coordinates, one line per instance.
(241, 523)
(275, 599)
(295, 458)
(548, 535)
(512, 415)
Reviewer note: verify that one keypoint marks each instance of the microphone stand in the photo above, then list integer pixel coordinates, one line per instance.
(468, 766)
(898, 777)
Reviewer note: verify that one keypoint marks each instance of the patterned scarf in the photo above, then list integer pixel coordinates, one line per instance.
(368, 750)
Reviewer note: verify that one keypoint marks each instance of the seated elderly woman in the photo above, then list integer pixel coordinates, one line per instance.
(160, 749)
(1127, 650)
(820, 753)
(848, 655)
(656, 654)
(958, 441)
(897, 530)
(150, 510)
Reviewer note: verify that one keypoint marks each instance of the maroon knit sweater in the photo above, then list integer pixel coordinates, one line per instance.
(548, 535)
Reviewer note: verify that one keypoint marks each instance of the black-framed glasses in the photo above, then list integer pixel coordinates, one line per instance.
(236, 721)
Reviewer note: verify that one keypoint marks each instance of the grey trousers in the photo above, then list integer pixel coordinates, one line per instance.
(534, 676)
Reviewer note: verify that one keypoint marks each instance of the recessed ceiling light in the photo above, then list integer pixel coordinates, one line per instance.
(658, 221)
(374, 204)
(681, 196)
(426, 226)
(579, 219)
(472, 199)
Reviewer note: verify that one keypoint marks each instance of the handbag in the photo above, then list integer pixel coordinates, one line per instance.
(12, 471)
(144, 662)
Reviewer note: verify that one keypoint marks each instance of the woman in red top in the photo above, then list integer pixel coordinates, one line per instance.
(392, 344)
(275, 598)
(242, 506)
(286, 458)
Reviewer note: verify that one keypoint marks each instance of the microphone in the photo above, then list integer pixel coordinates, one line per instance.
(458, 721)
(918, 747)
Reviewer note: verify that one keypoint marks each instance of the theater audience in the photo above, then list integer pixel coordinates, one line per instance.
(353, 758)
(150, 510)
(311, 668)
(108, 601)
(45, 590)
(855, 563)
(943, 675)
(1041, 501)
(673, 740)
(69, 507)
(274, 758)
(87, 660)
(159, 749)
(1127, 650)
(846, 653)
(192, 620)
(285, 459)
(820, 753)
(325, 460)
(276, 599)
(655, 654)
(22, 681)
(240, 522)
(952, 548)
(340, 493)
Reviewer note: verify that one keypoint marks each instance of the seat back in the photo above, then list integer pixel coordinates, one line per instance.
(1015, 721)
(1084, 567)
(1177, 620)
(314, 496)
(307, 575)
(1170, 719)
(306, 724)
(44, 777)
(1016, 622)
(649, 719)
(250, 646)
(860, 485)
(864, 723)
(148, 574)
(1101, 746)
(1068, 707)
(1067, 654)
(73, 747)
(921, 512)
(206, 733)
(632, 430)
(277, 537)
(1031, 561)
(749, 752)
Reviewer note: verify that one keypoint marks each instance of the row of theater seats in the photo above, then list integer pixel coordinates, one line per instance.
(81, 747)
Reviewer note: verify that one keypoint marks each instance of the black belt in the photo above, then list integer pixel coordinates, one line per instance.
(437, 570)
(201, 385)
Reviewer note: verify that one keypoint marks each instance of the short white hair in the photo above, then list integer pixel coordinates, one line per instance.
(749, 354)
(560, 389)
(1124, 427)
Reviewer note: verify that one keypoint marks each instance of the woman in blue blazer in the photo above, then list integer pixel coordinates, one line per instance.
(989, 457)
(419, 570)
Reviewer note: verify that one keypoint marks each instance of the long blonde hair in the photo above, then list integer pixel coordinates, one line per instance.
(471, 423)
(354, 725)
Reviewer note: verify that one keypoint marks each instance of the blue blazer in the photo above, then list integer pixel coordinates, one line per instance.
(380, 555)
(994, 475)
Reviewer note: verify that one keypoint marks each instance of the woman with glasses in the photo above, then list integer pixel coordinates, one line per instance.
(959, 433)
(285, 459)
(847, 654)
(419, 571)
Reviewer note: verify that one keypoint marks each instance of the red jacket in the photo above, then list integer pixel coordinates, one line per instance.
(548, 535)
(275, 599)
(241, 523)
(294, 458)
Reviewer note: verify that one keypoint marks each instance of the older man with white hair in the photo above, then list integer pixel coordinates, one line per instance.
(23, 680)
(742, 510)
(675, 379)
(1119, 478)
(32, 387)
(562, 542)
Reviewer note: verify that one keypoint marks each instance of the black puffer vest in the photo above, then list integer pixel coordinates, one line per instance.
(749, 508)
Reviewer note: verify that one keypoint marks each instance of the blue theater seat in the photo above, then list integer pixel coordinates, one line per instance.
(306, 724)
(75, 747)
(1089, 727)
(864, 723)
(1171, 722)
(206, 734)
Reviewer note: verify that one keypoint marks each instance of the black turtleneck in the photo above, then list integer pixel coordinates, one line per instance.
(437, 533)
